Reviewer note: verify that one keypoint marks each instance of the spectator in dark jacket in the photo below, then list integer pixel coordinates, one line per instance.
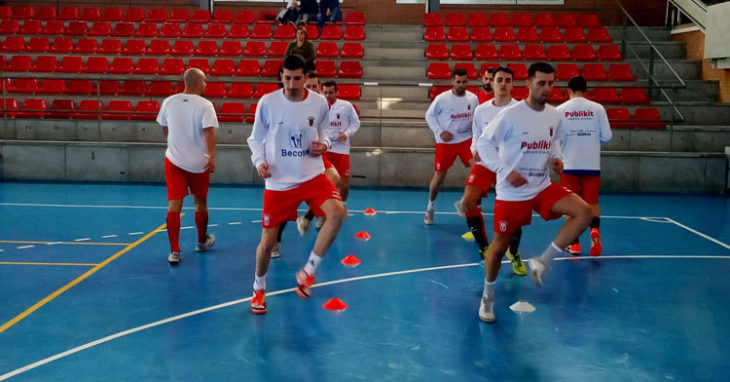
(329, 10)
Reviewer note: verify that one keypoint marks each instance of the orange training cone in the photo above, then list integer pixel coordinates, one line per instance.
(362, 235)
(369, 211)
(335, 304)
(350, 261)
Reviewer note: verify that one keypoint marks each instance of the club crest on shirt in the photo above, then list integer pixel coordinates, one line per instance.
(551, 130)
(295, 139)
(338, 115)
(310, 119)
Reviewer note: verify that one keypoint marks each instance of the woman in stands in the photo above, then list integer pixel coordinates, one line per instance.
(303, 47)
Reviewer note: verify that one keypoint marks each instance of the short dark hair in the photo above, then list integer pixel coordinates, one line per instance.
(489, 70)
(459, 72)
(540, 67)
(330, 83)
(294, 62)
(313, 74)
(578, 84)
(504, 69)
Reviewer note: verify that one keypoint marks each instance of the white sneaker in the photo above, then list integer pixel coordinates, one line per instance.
(460, 208)
(428, 218)
(302, 225)
(174, 258)
(538, 269)
(209, 243)
(275, 252)
(319, 223)
(486, 310)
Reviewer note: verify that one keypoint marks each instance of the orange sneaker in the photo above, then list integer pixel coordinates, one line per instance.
(574, 249)
(304, 283)
(258, 302)
(596, 247)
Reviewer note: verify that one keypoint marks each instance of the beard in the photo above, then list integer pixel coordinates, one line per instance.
(488, 88)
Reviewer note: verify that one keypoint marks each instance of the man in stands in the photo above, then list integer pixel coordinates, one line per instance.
(584, 127)
(450, 118)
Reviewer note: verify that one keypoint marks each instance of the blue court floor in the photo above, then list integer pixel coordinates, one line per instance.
(88, 294)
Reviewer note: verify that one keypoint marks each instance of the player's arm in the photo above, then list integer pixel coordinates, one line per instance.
(321, 146)
(165, 131)
(432, 120)
(354, 125)
(604, 127)
(556, 148)
(209, 137)
(256, 142)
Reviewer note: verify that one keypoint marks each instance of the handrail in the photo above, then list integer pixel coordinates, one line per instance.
(653, 81)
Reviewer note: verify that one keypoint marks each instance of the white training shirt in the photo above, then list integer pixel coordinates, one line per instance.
(523, 140)
(185, 116)
(449, 112)
(483, 114)
(282, 134)
(584, 127)
(343, 118)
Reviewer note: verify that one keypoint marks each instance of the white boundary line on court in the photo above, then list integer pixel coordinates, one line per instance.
(100, 341)
(698, 233)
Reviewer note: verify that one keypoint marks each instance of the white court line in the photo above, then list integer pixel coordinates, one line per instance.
(187, 227)
(135, 233)
(54, 243)
(108, 236)
(212, 225)
(700, 234)
(25, 246)
(100, 341)
(83, 239)
(234, 223)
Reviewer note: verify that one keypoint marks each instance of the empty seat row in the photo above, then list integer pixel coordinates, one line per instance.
(583, 52)
(643, 118)
(517, 19)
(524, 34)
(86, 109)
(563, 72)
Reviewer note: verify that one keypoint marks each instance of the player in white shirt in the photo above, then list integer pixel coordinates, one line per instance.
(344, 123)
(487, 91)
(188, 121)
(520, 147)
(289, 135)
(450, 117)
(481, 179)
(585, 126)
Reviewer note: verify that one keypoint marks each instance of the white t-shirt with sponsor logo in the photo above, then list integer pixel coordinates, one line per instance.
(343, 118)
(449, 112)
(282, 134)
(185, 116)
(585, 126)
(523, 140)
(483, 114)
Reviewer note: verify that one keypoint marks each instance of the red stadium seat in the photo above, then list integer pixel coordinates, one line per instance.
(38, 45)
(454, 19)
(527, 34)
(68, 13)
(22, 12)
(255, 49)
(110, 46)
(565, 20)
(238, 31)
(265, 88)
(240, 90)
(266, 17)
(200, 16)
(439, 70)
(648, 118)
(481, 34)
(251, 113)
(179, 16)
(146, 30)
(123, 30)
(609, 53)
(328, 49)
(199, 63)
(471, 72)
(331, 32)
(215, 31)
(521, 20)
(437, 52)
(619, 117)
(158, 48)
(96, 65)
(351, 50)
(146, 111)
(134, 47)
(77, 28)
(248, 68)
(90, 14)
(31, 27)
(108, 87)
(350, 69)
(172, 66)
(574, 35)
(192, 30)
(215, 90)
(261, 31)
(6, 12)
(133, 87)
(432, 20)
(206, 48)
(504, 34)
(534, 53)
(499, 19)
(557, 96)
(9, 27)
(86, 46)
(88, 109)
(476, 20)
(348, 91)
(434, 34)
(594, 72)
(118, 110)
(355, 18)
(312, 31)
(510, 52)
(599, 35)
(13, 44)
(112, 14)
(170, 30)
(232, 112)
(121, 65)
(51, 86)
(160, 89)
(550, 35)
(270, 68)
(544, 20)
(325, 68)
(634, 96)
(53, 28)
(584, 53)
(61, 109)
(277, 49)
(134, 15)
(11, 106)
(223, 67)
(244, 17)
(605, 96)
(32, 108)
(100, 29)
(285, 32)
(620, 72)
(70, 64)
(588, 20)
(46, 12)
(182, 48)
(21, 85)
(223, 16)
(147, 65)
(461, 52)
(457, 34)
(19, 63)
(564, 72)
(558, 53)
(486, 52)
(520, 71)
(230, 48)
(354, 33)
(80, 87)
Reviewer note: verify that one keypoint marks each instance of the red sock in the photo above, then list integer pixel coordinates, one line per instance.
(173, 230)
(201, 222)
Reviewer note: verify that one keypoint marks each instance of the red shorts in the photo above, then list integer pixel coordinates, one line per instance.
(446, 154)
(280, 206)
(341, 163)
(178, 181)
(585, 186)
(481, 177)
(509, 216)
(326, 162)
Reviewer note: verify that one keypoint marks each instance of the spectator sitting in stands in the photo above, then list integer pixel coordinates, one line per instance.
(329, 11)
(303, 47)
(308, 9)
(290, 14)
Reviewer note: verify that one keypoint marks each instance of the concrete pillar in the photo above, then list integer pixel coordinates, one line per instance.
(433, 6)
